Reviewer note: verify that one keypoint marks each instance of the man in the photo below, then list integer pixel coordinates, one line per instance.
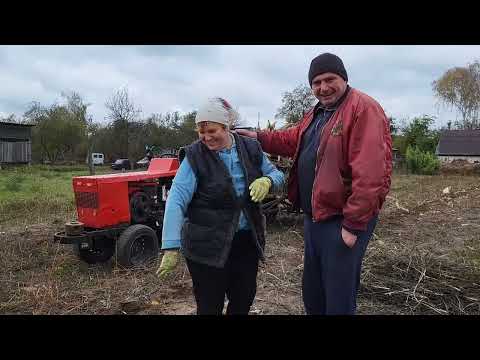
(340, 178)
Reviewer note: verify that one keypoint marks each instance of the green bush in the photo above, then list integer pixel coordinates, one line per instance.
(421, 162)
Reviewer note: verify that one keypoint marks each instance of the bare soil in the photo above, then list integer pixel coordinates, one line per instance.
(424, 258)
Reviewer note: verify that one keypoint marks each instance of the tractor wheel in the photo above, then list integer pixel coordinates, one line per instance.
(137, 245)
(102, 252)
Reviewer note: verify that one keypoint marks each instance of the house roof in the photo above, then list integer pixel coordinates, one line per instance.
(14, 124)
(459, 142)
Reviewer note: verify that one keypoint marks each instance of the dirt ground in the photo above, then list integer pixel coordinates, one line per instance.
(424, 258)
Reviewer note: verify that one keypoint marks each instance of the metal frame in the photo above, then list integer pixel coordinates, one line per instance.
(87, 236)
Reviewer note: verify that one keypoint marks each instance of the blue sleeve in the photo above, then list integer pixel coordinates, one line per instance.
(268, 169)
(181, 193)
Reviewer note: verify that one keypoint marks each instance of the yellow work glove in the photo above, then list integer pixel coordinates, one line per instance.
(169, 262)
(260, 188)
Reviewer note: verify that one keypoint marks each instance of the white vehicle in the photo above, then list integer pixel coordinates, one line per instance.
(97, 159)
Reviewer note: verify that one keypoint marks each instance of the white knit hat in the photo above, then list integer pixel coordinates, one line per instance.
(217, 110)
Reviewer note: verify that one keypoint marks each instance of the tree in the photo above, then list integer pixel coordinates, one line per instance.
(421, 162)
(76, 106)
(58, 132)
(77, 109)
(420, 135)
(168, 131)
(237, 120)
(187, 129)
(459, 88)
(122, 111)
(12, 118)
(295, 104)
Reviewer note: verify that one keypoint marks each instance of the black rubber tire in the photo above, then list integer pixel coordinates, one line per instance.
(100, 254)
(137, 246)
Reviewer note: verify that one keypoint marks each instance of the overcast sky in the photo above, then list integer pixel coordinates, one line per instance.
(163, 79)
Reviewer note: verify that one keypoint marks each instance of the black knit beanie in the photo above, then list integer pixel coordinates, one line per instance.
(326, 63)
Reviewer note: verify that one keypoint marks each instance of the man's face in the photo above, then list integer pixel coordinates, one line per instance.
(328, 88)
(215, 136)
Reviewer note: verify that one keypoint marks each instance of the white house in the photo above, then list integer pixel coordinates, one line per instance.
(459, 145)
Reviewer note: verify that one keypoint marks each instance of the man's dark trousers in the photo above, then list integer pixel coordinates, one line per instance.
(331, 274)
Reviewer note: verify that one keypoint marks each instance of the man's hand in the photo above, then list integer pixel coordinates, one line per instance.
(245, 132)
(169, 263)
(260, 188)
(348, 238)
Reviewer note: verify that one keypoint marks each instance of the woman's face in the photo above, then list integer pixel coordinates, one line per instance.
(215, 136)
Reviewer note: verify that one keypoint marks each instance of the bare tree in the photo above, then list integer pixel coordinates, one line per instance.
(122, 111)
(459, 88)
(296, 104)
(76, 106)
(236, 120)
(12, 118)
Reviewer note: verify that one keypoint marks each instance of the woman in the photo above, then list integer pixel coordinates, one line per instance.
(213, 220)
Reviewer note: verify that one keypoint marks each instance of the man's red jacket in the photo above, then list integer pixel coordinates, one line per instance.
(354, 160)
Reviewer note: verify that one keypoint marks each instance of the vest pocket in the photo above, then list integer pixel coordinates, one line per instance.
(202, 241)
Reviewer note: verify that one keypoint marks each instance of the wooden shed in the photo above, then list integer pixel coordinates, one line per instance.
(15, 143)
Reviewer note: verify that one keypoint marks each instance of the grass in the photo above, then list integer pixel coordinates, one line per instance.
(423, 259)
(33, 194)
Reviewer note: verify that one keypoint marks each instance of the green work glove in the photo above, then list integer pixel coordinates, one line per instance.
(169, 262)
(260, 188)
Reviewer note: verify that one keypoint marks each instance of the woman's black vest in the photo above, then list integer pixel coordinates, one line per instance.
(213, 214)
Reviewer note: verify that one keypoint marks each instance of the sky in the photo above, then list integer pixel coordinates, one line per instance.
(166, 78)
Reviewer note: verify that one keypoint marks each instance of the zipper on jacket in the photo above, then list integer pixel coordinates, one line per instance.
(316, 161)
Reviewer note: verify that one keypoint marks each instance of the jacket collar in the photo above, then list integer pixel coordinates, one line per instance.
(335, 106)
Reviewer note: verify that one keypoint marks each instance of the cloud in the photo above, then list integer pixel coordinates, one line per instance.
(252, 77)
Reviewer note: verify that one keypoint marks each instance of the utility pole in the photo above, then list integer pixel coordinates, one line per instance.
(126, 123)
(91, 166)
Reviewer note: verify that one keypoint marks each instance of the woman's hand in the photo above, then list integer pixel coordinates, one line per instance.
(260, 188)
(169, 263)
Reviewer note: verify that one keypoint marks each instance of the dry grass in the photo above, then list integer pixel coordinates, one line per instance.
(424, 256)
(423, 259)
